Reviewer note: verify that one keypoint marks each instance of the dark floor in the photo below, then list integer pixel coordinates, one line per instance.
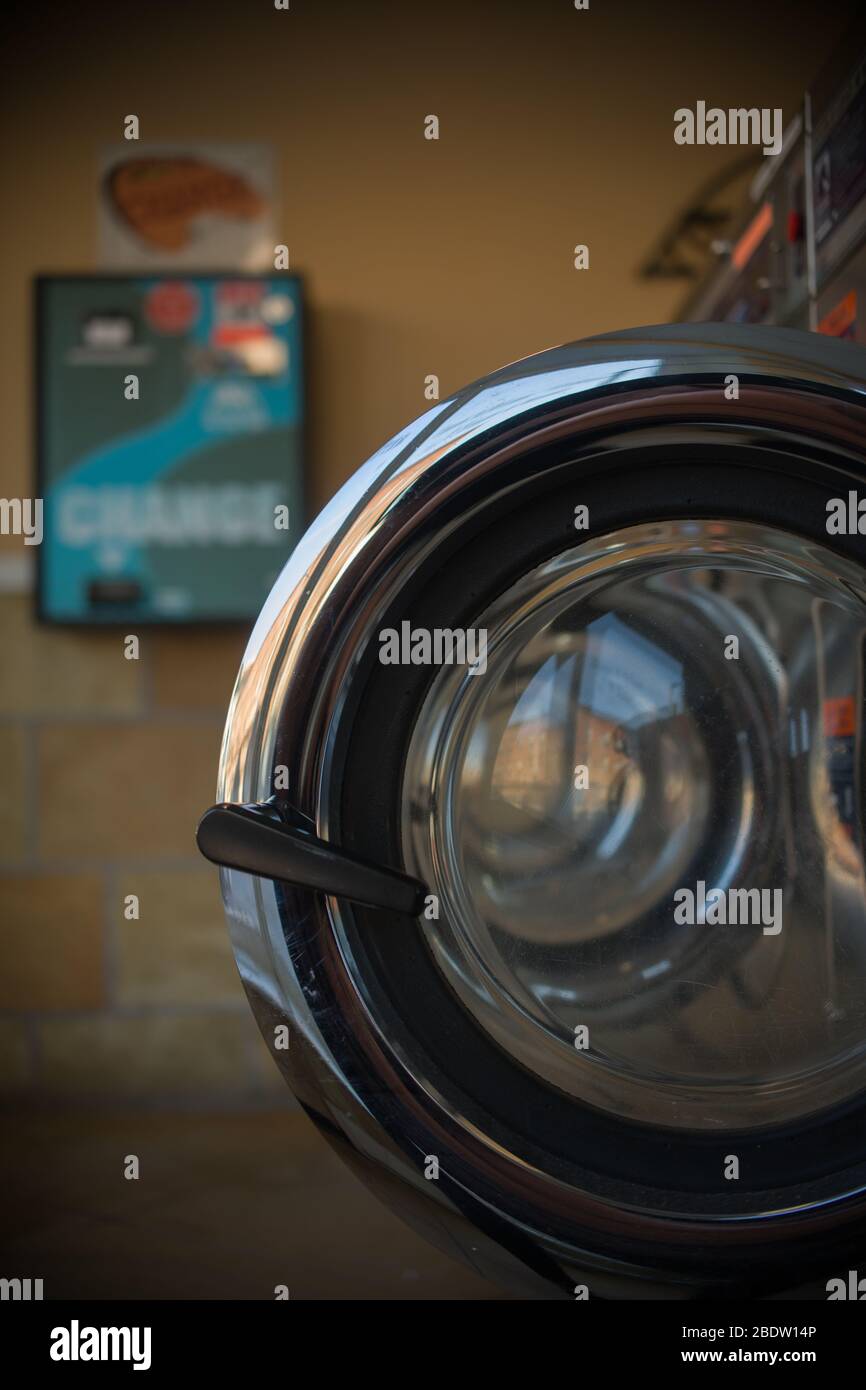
(226, 1206)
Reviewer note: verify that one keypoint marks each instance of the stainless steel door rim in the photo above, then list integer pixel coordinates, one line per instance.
(581, 418)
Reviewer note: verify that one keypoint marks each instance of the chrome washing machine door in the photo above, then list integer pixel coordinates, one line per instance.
(541, 817)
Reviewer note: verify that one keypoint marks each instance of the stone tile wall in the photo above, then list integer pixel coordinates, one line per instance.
(107, 765)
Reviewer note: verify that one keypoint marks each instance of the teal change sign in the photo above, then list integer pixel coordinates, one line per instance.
(170, 420)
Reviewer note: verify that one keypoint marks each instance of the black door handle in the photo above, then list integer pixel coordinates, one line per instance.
(261, 839)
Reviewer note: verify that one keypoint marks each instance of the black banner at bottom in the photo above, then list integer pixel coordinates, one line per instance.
(166, 1339)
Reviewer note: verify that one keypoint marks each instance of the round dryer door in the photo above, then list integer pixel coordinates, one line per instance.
(541, 817)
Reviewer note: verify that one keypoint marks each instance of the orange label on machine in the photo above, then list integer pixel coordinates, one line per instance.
(839, 717)
(841, 321)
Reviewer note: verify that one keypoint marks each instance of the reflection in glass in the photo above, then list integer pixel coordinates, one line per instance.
(621, 748)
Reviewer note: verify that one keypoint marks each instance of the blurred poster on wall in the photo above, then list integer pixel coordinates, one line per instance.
(198, 207)
(170, 444)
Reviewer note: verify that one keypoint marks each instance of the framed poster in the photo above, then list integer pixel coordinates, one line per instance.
(170, 426)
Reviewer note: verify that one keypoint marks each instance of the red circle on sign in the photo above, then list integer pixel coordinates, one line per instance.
(172, 306)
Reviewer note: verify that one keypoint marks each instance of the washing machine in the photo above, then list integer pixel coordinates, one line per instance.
(540, 818)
